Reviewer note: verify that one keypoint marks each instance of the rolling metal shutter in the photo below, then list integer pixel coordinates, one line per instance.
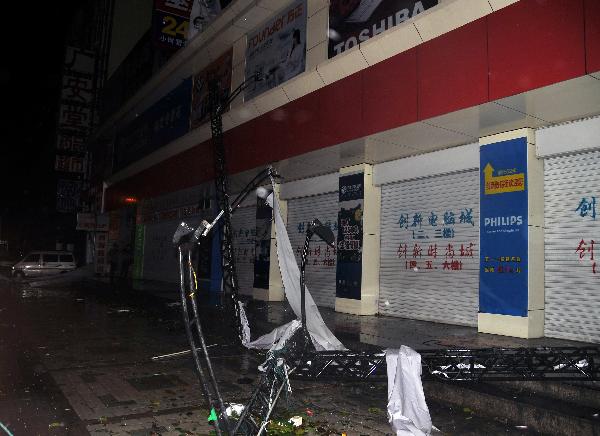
(431, 272)
(321, 262)
(243, 223)
(572, 289)
(160, 256)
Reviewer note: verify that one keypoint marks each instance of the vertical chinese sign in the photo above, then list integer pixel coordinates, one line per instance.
(503, 284)
(74, 125)
(586, 211)
(350, 236)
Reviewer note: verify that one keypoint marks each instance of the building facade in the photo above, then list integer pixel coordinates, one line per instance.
(451, 145)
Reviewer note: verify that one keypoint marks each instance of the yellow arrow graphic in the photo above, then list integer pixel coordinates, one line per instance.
(501, 184)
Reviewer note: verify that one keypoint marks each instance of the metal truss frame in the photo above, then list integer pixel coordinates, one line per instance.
(485, 364)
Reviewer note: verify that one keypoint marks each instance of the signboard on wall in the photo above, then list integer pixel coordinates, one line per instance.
(170, 29)
(163, 122)
(75, 121)
(203, 13)
(503, 222)
(68, 193)
(355, 21)
(262, 259)
(349, 238)
(219, 71)
(76, 99)
(277, 49)
(171, 21)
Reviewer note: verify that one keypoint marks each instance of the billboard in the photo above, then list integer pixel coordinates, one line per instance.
(277, 49)
(203, 13)
(350, 236)
(163, 122)
(503, 284)
(354, 21)
(171, 21)
(219, 70)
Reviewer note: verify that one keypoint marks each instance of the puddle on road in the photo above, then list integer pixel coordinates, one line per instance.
(43, 293)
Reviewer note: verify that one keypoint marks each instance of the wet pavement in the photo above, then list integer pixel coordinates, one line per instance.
(77, 360)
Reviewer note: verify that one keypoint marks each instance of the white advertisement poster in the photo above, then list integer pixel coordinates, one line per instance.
(277, 49)
(203, 13)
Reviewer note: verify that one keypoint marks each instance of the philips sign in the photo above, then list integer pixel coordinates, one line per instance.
(502, 221)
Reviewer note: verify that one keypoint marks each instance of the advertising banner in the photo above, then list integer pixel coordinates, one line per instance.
(350, 239)
(219, 71)
(355, 21)
(203, 13)
(163, 122)
(503, 228)
(277, 49)
(262, 259)
(170, 29)
(175, 7)
(171, 21)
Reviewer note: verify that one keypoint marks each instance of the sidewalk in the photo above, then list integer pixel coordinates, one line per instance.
(553, 408)
(371, 331)
(82, 354)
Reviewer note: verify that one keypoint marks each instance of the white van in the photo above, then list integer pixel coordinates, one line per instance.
(40, 263)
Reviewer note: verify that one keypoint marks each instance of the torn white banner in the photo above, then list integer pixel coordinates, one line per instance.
(407, 410)
(322, 337)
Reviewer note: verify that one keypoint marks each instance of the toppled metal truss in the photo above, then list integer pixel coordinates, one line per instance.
(485, 364)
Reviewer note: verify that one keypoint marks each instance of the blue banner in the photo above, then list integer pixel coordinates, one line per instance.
(166, 120)
(503, 228)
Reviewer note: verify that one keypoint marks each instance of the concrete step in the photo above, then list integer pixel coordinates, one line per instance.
(584, 393)
(548, 415)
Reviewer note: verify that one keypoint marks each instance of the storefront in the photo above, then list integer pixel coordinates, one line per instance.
(303, 207)
(429, 244)
(243, 223)
(572, 228)
(157, 221)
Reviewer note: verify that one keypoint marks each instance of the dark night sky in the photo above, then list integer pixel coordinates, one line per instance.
(29, 79)
(30, 75)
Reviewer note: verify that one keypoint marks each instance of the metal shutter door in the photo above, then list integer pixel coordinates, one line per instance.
(431, 293)
(572, 289)
(160, 256)
(321, 262)
(243, 223)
